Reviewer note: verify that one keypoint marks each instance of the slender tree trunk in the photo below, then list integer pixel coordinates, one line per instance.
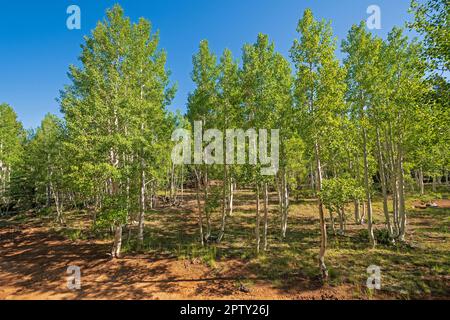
(332, 222)
(344, 218)
(205, 206)
(230, 203)
(368, 190)
(224, 203)
(341, 221)
(266, 209)
(364, 211)
(56, 198)
(257, 233)
(393, 177)
(357, 212)
(200, 210)
(142, 205)
(48, 201)
(383, 185)
(401, 192)
(117, 241)
(421, 184)
(278, 182)
(58, 205)
(313, 183)
(323, 227)
(172, 183)
(285, 203)
(182, 183)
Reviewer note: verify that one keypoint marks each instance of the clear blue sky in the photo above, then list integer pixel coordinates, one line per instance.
(36, 48)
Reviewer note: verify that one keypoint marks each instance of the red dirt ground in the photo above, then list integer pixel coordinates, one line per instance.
(34, 262)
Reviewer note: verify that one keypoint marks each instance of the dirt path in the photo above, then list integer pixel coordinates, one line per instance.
(34, 262)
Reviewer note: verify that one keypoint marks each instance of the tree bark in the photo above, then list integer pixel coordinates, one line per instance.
(323, 227)
(258, 237)
(230, 203)
(266, 208)
(142, 205)
(224, 203)
(421, 184)
(332, 222)
(341, 221)
(383, 185)
(117, 241)
(205, 206)
(357, 212)
(200, 216)
(401, 192)
(285, 203)
(368, 190)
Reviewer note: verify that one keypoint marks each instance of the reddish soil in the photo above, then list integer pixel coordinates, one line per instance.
(34, 262)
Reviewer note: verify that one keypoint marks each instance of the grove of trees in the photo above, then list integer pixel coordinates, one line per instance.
(376, 123)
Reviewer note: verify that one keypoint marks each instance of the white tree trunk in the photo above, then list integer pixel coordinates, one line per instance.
(117, 241)
(200, 210)
(266, 209)
(231, 195)
(323, 227)
(258, 237)
(142, 206)
(368, 190)
(383, 185)
(401, 192)
(224, 204)
(421, 184)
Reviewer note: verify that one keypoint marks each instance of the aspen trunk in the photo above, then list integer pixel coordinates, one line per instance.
(401, 192)
(230, 203)
(142, 207)
(117, 241)
(200, 216)
(421, 184)
(224, 204)
(341, 221)
(182, 183)
(280, 202)
(363, 216)
(332, 222)
(172, 183)
(58, 205)
(368, 190)
(357, 212)
(258, 237)
(393, 177)
(285, 203)
(207, 212)
(383, 185)
(323, 227)
(266, 208)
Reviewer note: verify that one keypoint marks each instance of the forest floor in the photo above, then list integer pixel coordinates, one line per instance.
(35, 254)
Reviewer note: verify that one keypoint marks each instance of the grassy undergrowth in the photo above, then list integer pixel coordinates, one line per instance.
(418, 268)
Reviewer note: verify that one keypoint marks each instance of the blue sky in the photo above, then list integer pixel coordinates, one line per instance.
(36, 47)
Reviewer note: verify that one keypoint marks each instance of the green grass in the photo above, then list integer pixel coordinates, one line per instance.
(418, 269)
